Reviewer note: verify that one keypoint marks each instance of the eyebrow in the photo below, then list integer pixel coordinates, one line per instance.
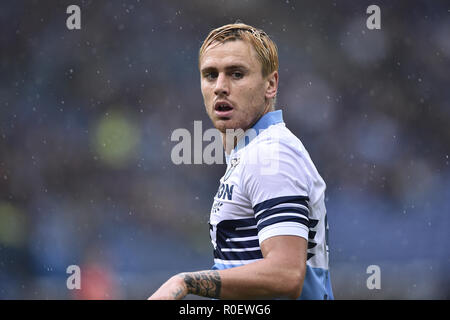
(228, 68)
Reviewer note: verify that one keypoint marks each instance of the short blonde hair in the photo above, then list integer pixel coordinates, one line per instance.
(265, 48)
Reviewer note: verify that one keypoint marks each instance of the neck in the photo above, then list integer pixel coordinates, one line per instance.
(231, 137)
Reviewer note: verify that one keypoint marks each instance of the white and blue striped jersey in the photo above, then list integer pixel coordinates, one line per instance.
(270, 188)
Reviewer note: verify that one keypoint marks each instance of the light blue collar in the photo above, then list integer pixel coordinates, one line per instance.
(263, 123)
(267, 120)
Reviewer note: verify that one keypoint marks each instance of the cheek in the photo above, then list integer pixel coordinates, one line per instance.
(255, 98)
(206, 94)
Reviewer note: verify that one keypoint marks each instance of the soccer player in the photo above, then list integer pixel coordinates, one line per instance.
(268, 221)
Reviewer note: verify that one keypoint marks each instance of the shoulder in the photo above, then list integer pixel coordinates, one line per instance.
(277, 161)
(275, 143)
(274, 155)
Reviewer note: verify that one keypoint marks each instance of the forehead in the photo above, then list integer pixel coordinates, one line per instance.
(233, 52)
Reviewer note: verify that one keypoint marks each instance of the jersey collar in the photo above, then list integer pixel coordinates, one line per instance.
(267, 120)
(263, 123)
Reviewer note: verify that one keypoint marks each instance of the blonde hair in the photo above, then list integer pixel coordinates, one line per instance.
(265, 48)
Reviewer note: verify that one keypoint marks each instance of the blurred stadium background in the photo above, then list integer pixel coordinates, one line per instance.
(86, 118)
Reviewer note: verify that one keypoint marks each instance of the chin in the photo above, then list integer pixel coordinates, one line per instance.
(222, 125)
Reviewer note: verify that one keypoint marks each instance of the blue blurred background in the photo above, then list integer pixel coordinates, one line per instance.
(86, 117)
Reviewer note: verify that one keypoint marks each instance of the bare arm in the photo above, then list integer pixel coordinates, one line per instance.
(280, 274)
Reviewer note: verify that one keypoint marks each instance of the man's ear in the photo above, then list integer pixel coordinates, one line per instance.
(272, 85)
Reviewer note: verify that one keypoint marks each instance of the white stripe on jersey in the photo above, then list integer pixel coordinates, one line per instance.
(282, 215)
(242, 239)
(283, 205)
(246, 228)
(239, 249)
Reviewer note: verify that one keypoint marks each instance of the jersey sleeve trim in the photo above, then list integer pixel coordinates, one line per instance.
(287, 215)
(288, 228)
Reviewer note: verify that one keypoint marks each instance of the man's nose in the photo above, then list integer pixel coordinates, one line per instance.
(222, 85)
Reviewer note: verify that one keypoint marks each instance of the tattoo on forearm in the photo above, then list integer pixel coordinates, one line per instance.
(203, 283)
(177, 294)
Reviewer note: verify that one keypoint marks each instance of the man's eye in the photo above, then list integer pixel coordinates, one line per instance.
(237, 75)
(210, 75)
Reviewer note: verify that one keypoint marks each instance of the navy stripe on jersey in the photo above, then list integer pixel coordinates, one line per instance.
(237, 240)
(303, 200)
(236, 228)
(288, 209)
(288, 218)
(282, 209)
(241, 244)
(250, 254)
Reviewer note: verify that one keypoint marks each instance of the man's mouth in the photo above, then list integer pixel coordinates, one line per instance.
(223, 109)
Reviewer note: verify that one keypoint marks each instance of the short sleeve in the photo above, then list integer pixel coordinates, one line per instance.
(276, 181)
